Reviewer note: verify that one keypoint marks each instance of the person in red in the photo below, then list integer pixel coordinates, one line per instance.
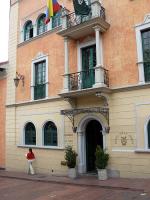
(30, 157)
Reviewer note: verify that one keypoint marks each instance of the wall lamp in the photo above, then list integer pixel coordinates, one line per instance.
(107, 129)
(18, 78)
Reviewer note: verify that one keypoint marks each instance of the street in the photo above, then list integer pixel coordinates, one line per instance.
(15, 189)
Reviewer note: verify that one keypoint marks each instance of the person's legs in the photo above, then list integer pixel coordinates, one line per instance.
(31, 170)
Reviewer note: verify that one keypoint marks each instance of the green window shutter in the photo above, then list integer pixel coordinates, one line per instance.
(146, 53)
(41, 26)
(28, 31)
(148, 131)
(40, 80)
(50, 134)
(30, 134)
(88, 64)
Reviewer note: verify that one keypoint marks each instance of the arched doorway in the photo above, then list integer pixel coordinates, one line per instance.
(93, 137)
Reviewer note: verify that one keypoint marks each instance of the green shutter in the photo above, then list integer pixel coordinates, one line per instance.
(50, 134)
(88, 64)
(146, 53)
(30, 134)
(40, 79)
(42, 27)
(148, 131)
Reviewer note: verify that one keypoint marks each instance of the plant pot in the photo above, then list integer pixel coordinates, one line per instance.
(72, 172)
(102, 174)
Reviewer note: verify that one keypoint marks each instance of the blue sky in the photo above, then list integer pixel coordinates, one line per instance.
(4, 29)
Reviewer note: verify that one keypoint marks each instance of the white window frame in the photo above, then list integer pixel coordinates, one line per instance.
(37, 60)
(138, 29)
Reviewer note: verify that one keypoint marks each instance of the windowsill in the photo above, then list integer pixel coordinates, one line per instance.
(41, 147)
(30, 102)
(39, 36)
(142, 150)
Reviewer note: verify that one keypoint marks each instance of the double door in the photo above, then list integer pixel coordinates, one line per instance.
(88, 64)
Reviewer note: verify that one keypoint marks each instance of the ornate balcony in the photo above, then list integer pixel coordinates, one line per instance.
(83, 82)
(85, 79)
(75, 26)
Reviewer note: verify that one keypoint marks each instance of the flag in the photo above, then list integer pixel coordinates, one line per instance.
(52, 8)
(80, 7)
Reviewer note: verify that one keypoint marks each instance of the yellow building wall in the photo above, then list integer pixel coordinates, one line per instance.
(129, 114)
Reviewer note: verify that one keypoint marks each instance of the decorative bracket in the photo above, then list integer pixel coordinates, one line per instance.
(70, 113)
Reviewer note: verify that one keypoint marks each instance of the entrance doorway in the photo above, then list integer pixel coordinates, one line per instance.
(94, 137)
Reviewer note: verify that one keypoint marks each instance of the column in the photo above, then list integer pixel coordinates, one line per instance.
(99, 72)
(66, 63)
(81, 152)
(35, 29)
(104, 139)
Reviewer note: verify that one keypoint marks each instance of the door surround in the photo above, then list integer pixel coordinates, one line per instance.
(81, 131)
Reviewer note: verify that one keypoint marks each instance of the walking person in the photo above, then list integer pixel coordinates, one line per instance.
(30, 157)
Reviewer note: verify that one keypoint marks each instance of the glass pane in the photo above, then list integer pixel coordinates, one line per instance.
(28, 31)
(40, 80)
(146, 53)
(50, 134)
(30, 134)
(42, 27)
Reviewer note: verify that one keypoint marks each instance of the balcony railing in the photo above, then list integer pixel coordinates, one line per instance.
(73, 19)
(85, 79)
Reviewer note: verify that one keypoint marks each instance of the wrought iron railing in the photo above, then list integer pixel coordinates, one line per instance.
(73, 19)
(85, 79)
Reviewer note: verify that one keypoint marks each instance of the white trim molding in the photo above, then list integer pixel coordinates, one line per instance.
(138, 29)
(81, 130)
(40, 57)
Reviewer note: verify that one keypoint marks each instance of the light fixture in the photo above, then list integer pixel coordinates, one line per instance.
(107, 129)
(18, 78)
(74, 129)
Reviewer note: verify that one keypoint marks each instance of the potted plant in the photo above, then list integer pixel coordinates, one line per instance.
(101, 162)
(70, 157)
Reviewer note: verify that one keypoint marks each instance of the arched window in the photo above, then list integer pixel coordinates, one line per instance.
(50, 134)
(56, 20)
(28, 31)
(30, 134)
(41, 26)
(148, 135)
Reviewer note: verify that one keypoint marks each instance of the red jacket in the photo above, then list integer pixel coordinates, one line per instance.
(30, 156)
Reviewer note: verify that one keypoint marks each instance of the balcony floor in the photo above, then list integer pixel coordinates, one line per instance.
(85, 92)
(85, 28)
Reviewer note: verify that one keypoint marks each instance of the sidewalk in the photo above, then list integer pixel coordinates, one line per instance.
(142, 185)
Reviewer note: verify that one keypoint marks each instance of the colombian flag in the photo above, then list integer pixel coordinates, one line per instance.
(52, 8)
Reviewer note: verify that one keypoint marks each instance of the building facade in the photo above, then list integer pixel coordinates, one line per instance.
(3, 78)
(81, 81)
